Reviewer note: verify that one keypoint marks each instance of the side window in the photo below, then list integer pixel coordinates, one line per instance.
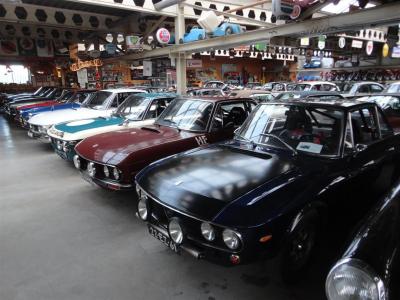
(114, 102)
(384, 126)
(363, 89)
(376, 88)
(316, 87)
(230, 115)
(348, 138)
(364, 127)
(157, 107)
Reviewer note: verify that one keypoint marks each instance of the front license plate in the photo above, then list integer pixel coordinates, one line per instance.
(30, 134)
(163, 238)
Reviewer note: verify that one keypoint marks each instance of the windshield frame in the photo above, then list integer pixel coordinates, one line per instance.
(139, 95)
(340, 149)
(105, 104)
(207, 127)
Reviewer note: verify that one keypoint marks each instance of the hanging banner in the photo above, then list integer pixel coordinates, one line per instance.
(147, 68)
(385, 50)
(8, 47)
(44, 48)
(86, 64)
(369, 48)
(342, 42)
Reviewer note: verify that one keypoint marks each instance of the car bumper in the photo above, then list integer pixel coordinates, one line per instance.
(106, 184)
(43, 137)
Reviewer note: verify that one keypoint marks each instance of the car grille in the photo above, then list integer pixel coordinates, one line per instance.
(34, 128)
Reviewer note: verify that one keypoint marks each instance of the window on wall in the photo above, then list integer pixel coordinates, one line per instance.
(14, 74)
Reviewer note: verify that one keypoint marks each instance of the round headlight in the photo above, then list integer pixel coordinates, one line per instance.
(353, 279)
(208, 231)
(77, 161)
(106, 171)
(116, 173)
(175, 231)
(65, 146)
(59, 145)
(231, 239)
(91, 169)
(142, 209)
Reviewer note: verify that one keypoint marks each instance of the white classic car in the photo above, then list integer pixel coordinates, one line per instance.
(136, 111)
(101, 104)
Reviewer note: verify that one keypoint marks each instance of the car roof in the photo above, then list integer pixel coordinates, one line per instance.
(382, 95)
(122, 90)
(343, 104)
(247, 93)
(157, 95)
(306, 93)
(212, 99)
(366, 82)
(316, 82)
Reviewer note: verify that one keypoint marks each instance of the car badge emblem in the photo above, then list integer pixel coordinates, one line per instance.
(178, 182)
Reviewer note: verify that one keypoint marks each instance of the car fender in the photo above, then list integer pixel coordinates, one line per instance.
(315, 209)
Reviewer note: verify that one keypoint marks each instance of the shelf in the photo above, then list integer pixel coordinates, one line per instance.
(348, 69)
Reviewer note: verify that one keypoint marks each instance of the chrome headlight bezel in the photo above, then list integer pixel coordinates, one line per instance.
(175, 231)
(91, 169)
(231, 238)
(361, 273)
(106, 171)
(143, 208)
(116, 173)
(77, 161)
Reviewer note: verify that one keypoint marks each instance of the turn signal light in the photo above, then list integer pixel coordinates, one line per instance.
(235, 259)
(265, 239)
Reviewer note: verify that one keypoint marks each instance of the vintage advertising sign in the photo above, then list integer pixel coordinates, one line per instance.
(194, 63)
(86, 64)
(369, 48)
(163, 36)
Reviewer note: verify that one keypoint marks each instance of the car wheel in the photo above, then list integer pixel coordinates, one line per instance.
(180, 41)
(298, 248)
(200, 37)
(228, 31)
(273, 19)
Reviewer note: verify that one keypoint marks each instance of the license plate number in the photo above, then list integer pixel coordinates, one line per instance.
(163, 238)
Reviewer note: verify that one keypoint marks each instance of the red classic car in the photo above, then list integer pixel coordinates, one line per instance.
(111, 160)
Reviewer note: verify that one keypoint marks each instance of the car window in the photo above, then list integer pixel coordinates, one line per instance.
(317, 87)
(376, 88)
(386, 130)
(328, 87)
(363, 88)
(364, 126)
(230, 115)
(262, 97)
(394, 88)
(97, 100)
(157, 107)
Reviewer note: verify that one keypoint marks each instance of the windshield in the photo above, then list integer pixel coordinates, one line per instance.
(38, 91)
(311, 130)
(394, 88)
(347, 87)
(285, 96)
(97, 100)
(79, 97)
(213, 84)
(65, 96)
(188, 114)
(302, 87)
(133, 108)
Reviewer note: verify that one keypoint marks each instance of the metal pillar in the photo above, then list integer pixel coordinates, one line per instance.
(180, 58)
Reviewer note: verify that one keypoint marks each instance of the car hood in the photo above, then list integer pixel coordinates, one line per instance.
(40, 104)
(114, 147)
(203, 182)
(37, 110)
(86, 124)
(65, 115)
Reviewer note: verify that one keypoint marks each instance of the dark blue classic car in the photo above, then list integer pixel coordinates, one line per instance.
(370, 267)
(266, 191)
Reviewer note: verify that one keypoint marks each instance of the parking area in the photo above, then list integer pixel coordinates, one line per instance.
(61, 238)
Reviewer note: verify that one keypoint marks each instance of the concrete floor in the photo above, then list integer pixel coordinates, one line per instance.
(61, 238)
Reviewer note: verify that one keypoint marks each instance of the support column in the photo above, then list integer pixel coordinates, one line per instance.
(180, 60)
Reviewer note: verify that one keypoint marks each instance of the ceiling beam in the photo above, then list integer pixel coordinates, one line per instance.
(367, 18)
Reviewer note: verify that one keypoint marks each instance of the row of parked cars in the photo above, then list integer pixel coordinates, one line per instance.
(235, 179)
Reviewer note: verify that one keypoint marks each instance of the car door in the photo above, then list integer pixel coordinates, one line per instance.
(369, 148)
(227, 117)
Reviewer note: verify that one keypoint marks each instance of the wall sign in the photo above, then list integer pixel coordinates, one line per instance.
(396, 52)
(133, 42)
(369, 48)
(385, 50)
(305, 41)
(321, 42)
(86, 64)
(356, 44)
(342, 42)
(194, 63)
(163, 36)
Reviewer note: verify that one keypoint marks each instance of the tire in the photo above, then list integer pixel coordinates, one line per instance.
(228, 31)
(200, 37)
(180, 41)
(298, 248)
(273, 19)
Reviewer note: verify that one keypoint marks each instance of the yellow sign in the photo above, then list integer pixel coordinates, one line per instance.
(385, 50)
(86, 64)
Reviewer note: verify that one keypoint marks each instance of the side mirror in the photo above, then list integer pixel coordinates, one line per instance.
(360, 147)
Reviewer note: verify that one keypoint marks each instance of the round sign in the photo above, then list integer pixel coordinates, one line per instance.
(163, 36)
(385, 50)
(295, 12)
(370, 47)
(342, 42)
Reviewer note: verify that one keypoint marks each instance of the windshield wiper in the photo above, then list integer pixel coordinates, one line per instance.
(251, 140)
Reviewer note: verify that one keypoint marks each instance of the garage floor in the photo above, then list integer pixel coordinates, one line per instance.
(61, 238)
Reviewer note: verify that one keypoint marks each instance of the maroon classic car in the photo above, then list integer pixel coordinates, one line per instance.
(111, 160)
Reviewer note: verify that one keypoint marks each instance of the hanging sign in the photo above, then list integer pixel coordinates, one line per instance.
(342, 42)
(133, 42)
(321, 42)
(356, 44)
(369, 48)
(194, 63)
(385, 50)
(396, 52)
(305, 41)
(110, 48)
(163, 36)
(86, 64)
